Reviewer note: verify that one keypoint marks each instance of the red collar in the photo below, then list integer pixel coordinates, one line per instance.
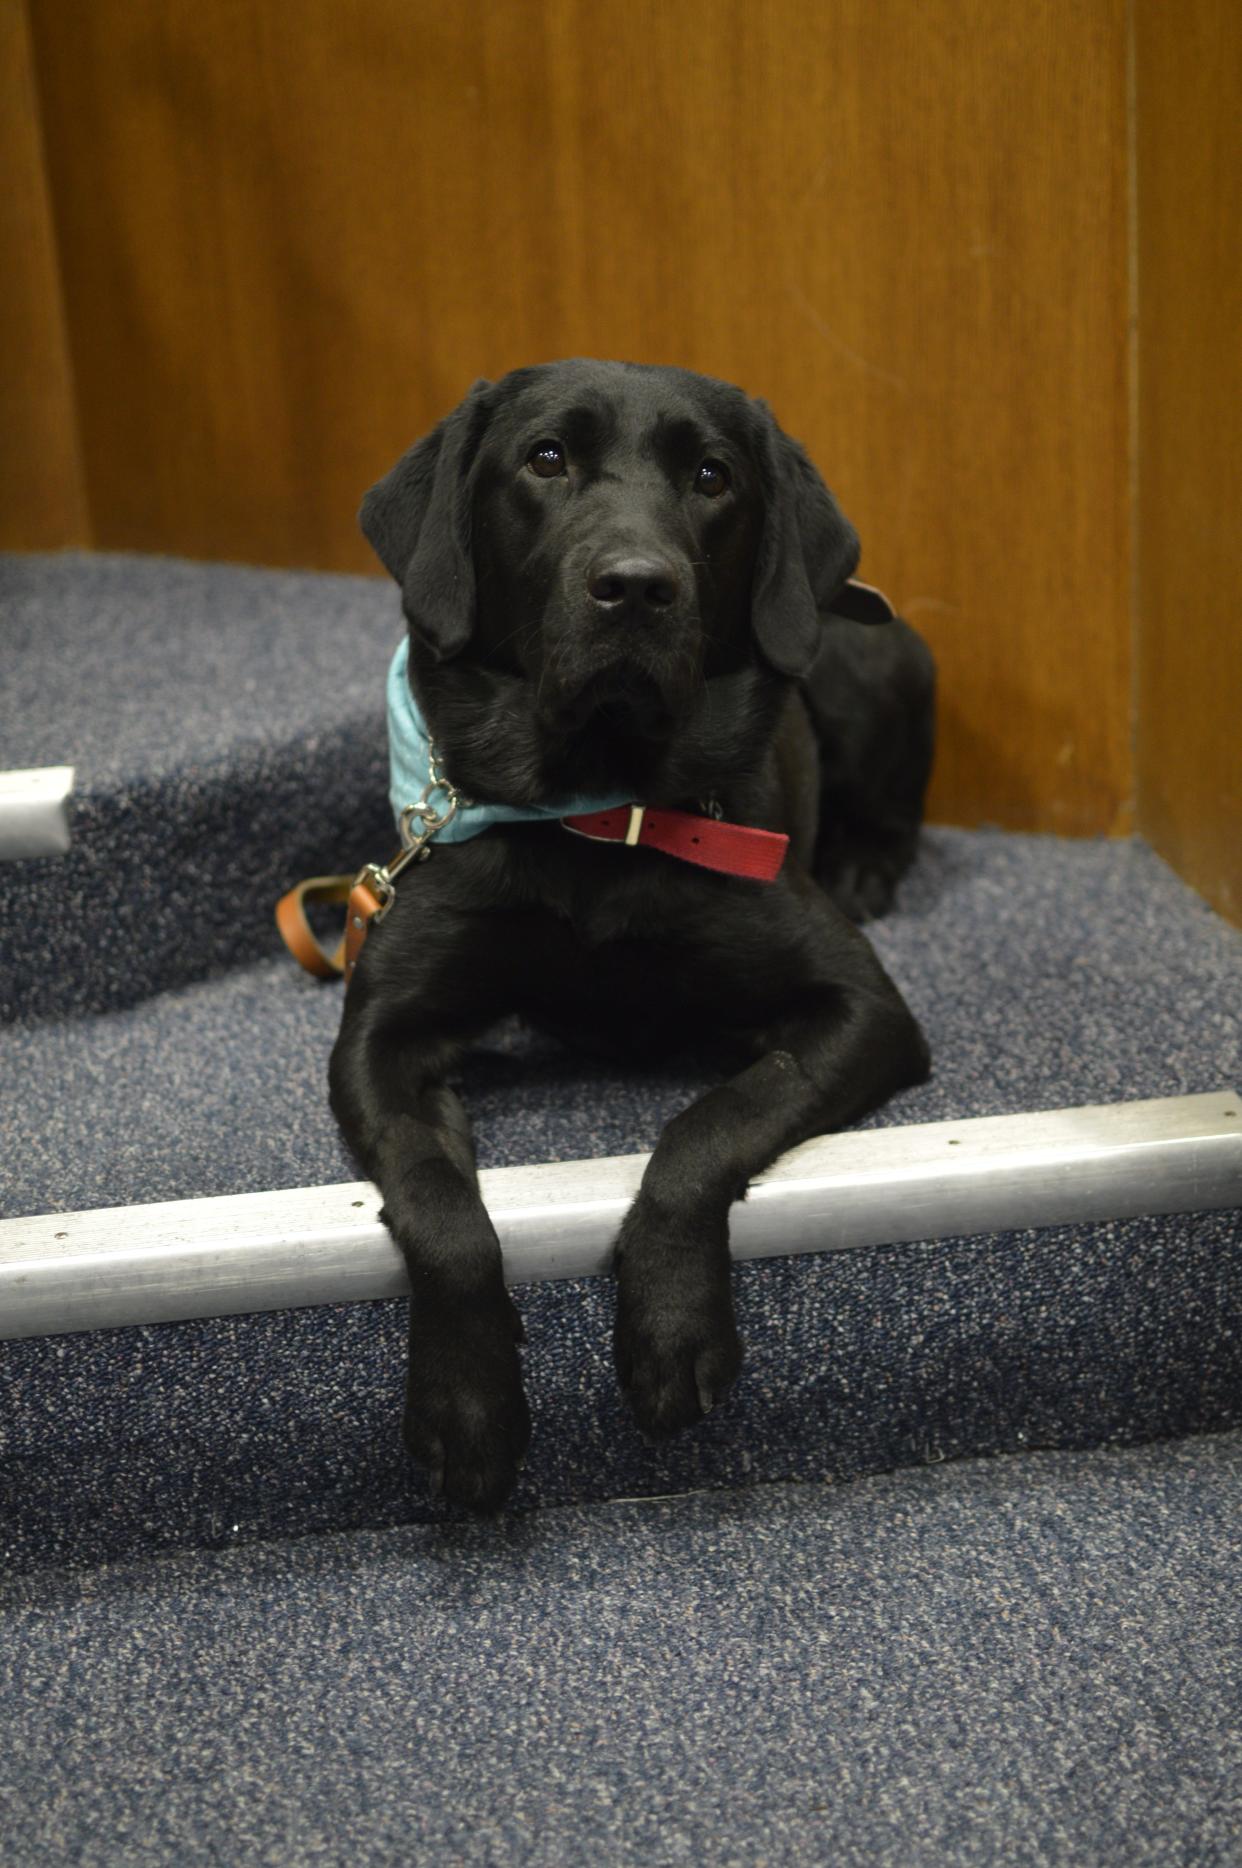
(734, 849)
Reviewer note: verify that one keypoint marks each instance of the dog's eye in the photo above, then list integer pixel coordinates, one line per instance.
(712, 479)
(547, 459)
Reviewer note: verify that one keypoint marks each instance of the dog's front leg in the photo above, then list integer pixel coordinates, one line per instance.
(837, 1051)
(466, 1417)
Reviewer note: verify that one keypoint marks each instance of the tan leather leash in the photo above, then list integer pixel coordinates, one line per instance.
(363, 904)
(367, 896)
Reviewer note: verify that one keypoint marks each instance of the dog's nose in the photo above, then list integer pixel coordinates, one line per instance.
(631, 581)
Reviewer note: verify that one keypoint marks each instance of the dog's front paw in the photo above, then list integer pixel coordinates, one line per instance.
(676, 1344)
(466, 1417)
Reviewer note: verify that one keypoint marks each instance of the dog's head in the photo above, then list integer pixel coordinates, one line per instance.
(606, 546)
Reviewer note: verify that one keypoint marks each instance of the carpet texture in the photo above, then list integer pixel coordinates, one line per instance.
(1034, 1661)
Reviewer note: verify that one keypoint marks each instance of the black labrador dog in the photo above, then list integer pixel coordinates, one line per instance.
(626, 582)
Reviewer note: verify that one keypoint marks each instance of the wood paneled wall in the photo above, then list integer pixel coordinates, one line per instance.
(42, 492)
(1188, 71)
(292, 234)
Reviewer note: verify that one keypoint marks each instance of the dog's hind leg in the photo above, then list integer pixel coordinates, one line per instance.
(871, 699)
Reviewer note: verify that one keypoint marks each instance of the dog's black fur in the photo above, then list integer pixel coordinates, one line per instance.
(621, 579)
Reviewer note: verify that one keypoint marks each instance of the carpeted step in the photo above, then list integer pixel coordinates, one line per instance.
(1035, 1660)
(227, 731)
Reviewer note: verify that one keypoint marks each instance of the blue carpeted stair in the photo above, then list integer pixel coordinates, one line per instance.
(1000, 1662)
(227, 730)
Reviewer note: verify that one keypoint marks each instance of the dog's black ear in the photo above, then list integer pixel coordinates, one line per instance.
(806, 555)
(417, 520)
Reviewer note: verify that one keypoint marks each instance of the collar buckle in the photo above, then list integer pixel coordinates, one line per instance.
(629, 838)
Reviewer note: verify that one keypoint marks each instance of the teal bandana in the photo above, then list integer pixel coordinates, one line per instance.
(409, 765)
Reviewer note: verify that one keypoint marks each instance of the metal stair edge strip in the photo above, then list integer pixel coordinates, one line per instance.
(174, 1261)
(34, 812)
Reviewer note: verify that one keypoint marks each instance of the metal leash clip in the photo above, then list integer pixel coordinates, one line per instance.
(415, 844)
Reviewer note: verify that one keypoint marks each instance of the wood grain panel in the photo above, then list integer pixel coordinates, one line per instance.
(295, 232)
(1188, 82)
(42, 494)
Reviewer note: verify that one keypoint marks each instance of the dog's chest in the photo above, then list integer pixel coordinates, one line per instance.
(643, 969)
(613, 942)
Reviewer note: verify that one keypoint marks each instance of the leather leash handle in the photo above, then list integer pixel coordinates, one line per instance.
(295, 928)
(362, 905)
